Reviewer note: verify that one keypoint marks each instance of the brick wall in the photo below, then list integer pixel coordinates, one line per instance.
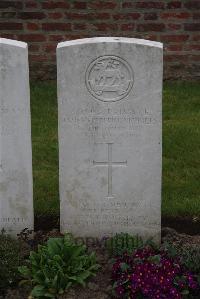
(42, 24)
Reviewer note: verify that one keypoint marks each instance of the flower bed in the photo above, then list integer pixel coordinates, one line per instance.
(138, 271)
(150, 274)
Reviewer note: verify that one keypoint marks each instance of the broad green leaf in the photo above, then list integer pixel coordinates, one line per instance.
(124, 266)
(23, 282)
(185, 292)
(24, 270)
(55, 246)
(38, 291)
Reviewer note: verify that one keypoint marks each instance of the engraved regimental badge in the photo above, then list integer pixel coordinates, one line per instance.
(109, 78)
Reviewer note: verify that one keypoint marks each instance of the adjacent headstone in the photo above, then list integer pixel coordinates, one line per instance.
(109, 95)
(16, 199)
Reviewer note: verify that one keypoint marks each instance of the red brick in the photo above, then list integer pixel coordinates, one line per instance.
(80, 26)
(33, 48)
(11, 4)
(71, 37)
(150, 4)
(151, 16)
(33, 26)
(192, 27)
(175, 22)
(128, 5)
(102, 4)
(151, 27)
(39, 57)
(76, 16)
(126, 16)
(192, 4)
(87, 16)
(76, 36)
(31, 4)
(56, 38)
(176, 47)
(32, 37)
(56, 26)
(50, 48)
(174, 4)
(175, 38)
(196, 38)
(150, 37)
(176, 58)
(194, 58)
(196, 16)
(7, 35)
(52, 57)
(55, 15)
(174, 27)
(55, 4)
(11, 26)
(127, 27)
(192, 47)
(105, 27)
(7, 14)
(175, 15)
(31, 15)
(99, 16)
(80, 5)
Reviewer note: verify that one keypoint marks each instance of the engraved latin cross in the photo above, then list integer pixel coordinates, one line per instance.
(110, 164)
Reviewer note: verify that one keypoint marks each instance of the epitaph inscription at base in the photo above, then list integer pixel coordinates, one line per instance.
(109, 98)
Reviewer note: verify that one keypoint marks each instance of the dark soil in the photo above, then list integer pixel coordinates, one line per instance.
(46, 223)
(182, 224)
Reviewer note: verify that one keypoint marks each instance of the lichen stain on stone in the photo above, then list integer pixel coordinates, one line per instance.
(3, 187)
(103, 182)
(17, 199)
(86, 197)
(71, 199)
(18, 204)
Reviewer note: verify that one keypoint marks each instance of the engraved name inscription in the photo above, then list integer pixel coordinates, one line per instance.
(106, 124)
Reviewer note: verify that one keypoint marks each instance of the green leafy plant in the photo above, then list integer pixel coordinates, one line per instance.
(57, 266)
(170, 249)
(9, 262)
(188, 255)
(125, 242)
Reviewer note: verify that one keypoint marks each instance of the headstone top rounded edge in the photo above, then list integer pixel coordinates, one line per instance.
(92, 40)
(11, 42)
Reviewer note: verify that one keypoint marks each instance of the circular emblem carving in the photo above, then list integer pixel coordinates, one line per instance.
(109, 78)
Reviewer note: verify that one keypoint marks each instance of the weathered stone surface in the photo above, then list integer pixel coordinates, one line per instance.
(109, 96)
(16, 200)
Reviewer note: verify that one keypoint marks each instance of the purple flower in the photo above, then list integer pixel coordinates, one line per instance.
(151, 274)
(120, 290)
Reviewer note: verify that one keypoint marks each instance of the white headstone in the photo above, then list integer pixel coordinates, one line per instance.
(16, 199)
(110, 102)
